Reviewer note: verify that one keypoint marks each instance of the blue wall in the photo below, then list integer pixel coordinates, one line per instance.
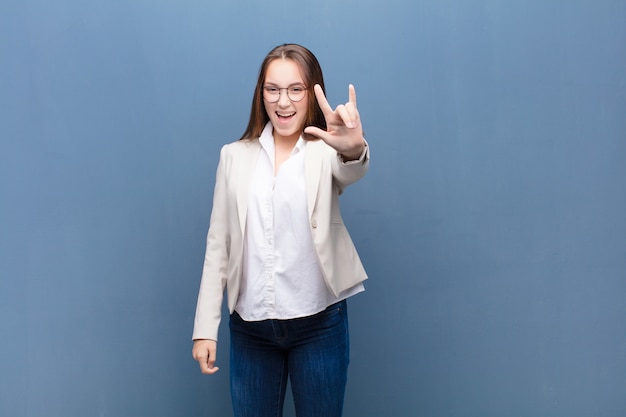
(492, 222)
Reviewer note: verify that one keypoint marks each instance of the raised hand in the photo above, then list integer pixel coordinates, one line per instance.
(344, 131)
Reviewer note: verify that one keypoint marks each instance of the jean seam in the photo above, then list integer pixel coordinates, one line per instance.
(281, 393)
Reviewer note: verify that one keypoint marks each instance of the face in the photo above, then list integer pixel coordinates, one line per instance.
(287, 117)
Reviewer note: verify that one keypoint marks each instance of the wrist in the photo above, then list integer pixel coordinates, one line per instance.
(354, 154)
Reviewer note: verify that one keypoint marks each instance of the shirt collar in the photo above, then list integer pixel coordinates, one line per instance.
(267, 141)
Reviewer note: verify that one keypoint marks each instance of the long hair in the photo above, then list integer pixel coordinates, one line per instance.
(311, 72)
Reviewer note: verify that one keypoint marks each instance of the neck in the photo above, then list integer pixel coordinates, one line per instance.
(283, 146)
(286, 141)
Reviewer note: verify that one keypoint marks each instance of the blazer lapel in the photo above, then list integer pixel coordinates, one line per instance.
(246, 161)
(312, 172)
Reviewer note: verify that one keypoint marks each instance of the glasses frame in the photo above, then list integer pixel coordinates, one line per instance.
(304, 89)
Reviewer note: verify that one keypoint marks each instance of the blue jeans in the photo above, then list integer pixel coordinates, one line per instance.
(313, 352)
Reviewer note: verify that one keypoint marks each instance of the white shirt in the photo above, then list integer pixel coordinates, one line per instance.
(282, 278)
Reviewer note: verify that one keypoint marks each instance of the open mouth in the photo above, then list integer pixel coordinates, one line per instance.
(285, 116)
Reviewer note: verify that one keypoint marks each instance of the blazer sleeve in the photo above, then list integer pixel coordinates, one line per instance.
(215, 268)
(346, 173)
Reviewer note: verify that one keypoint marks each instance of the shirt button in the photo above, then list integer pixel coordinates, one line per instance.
(314, 223)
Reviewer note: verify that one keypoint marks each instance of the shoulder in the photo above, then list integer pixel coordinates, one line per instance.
(239, 147)
(241, 144)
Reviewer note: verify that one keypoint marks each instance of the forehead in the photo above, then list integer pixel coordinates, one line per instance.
(283, 71)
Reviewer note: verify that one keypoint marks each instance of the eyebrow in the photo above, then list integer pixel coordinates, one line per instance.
(265, 84)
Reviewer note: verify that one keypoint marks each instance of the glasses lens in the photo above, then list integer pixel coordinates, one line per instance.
(296, 92)
(271, 94)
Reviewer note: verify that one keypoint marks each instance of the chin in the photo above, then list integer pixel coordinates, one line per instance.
(288, 131)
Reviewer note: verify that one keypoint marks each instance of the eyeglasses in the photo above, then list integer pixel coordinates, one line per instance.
(295, 93)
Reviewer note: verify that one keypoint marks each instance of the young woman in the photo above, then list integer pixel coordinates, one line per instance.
(279, 246)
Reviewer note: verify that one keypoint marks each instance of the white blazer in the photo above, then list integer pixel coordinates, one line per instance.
(326, 176)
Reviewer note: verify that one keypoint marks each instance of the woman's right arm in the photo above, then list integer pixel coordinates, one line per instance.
(214, 276)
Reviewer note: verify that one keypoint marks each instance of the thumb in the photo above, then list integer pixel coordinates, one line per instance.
(316, 131)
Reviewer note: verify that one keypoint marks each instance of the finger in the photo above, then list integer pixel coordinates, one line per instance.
(316, 131)
(208, 370)
(321, 100)
(346, 116)
(212, 356)
(352, 95)
(352, 110)
(203, 362)
(207, 365)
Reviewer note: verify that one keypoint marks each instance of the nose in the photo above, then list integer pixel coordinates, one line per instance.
(283, 98)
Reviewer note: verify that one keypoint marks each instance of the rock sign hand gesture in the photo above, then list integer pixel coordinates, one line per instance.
(344, 131)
